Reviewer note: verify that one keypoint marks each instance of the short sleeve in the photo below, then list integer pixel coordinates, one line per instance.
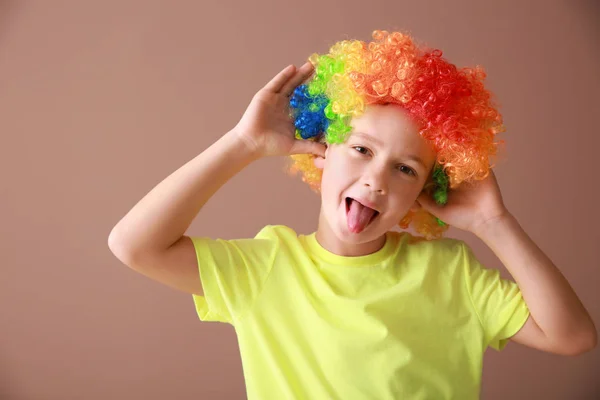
(232, 274)
(498, 302)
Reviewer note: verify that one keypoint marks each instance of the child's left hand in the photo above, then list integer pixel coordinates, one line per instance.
(470, 206)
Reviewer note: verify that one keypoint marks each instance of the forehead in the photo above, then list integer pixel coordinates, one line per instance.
(388, 125)
(389, 117)
(391, 128)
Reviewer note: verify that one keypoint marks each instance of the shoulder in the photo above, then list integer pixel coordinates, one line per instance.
(441, 255)
(442, 247)
(279, 233)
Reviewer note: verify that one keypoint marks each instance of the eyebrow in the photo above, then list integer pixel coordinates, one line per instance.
(380, 144)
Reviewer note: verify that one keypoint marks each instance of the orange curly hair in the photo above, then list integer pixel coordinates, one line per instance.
(451, 106)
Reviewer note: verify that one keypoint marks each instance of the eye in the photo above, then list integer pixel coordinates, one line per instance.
(403, 168)
(360, 147)
(407, 170)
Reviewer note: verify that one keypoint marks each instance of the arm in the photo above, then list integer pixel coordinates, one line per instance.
(157, 223)
(559, 322)
(150, 238)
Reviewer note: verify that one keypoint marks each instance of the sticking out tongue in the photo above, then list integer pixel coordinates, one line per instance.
(359, 216)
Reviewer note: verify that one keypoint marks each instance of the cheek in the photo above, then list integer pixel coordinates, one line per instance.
(337, 170)
(405, 195)
(334, 182)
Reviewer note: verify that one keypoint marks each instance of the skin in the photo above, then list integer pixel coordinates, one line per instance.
(383, 173)
(151, 237)
(558, 322)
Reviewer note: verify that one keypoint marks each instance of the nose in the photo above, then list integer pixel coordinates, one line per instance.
(375, 178)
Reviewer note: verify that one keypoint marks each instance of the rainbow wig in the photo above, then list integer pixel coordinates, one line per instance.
(451, 106)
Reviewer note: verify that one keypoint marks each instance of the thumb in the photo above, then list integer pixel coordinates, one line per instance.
(303, 146)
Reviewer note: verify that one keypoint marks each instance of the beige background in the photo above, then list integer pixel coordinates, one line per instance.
(100, 100)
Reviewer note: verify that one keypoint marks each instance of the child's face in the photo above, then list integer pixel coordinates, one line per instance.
(388, 171)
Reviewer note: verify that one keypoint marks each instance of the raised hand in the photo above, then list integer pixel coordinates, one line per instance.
(266, 125)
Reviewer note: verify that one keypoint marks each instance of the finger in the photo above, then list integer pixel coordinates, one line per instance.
(308, 147)
(280, 79)
(301, 75)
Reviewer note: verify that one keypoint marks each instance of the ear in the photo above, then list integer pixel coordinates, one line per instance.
(320, 161)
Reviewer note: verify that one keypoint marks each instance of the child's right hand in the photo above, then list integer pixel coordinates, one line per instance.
(266, 125)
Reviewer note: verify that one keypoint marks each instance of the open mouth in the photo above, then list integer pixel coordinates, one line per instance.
(349, 201)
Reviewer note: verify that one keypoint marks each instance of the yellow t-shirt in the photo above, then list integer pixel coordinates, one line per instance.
(410, 321)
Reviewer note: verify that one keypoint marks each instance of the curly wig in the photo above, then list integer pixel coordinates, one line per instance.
(451, 106)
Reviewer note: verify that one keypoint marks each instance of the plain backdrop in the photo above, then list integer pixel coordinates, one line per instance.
(101, 100)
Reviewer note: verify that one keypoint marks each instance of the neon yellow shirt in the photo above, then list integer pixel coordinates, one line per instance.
(410, 321)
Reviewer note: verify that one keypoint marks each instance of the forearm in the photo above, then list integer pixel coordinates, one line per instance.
(552, 302)
(162, 217)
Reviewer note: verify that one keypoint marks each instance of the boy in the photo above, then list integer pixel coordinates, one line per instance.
(355, 310)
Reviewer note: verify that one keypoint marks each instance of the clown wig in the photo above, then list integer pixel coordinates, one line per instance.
(451, 106)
